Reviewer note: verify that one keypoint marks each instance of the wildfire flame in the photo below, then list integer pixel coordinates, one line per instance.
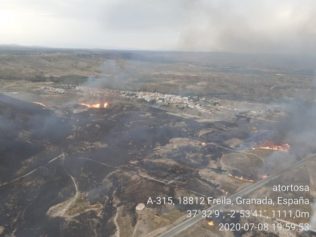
(210, 223)
(265, 176)
(39, 103)
(240, 178)
(96, 106)
(275, 147)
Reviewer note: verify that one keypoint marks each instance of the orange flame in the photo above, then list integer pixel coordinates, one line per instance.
(96, 106)
(241, 178)
(39, 103)
(210, 223)
(265, 176)
(275, 147)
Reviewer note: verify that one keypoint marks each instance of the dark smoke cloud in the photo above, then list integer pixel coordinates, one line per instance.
(285, 26)
(251, 26)
(298, 128)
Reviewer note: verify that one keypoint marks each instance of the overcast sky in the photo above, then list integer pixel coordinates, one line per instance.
(202, 25)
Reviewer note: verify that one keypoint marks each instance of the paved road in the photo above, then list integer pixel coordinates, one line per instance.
(245, 191)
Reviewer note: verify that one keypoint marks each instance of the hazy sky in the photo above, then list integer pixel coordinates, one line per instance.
(204, 25)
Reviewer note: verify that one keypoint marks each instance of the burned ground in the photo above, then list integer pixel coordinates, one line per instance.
(70, 170)
(93, 144)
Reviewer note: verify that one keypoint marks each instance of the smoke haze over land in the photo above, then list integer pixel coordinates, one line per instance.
(263, 26)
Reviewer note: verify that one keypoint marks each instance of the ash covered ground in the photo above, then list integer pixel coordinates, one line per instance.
(86, 137)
